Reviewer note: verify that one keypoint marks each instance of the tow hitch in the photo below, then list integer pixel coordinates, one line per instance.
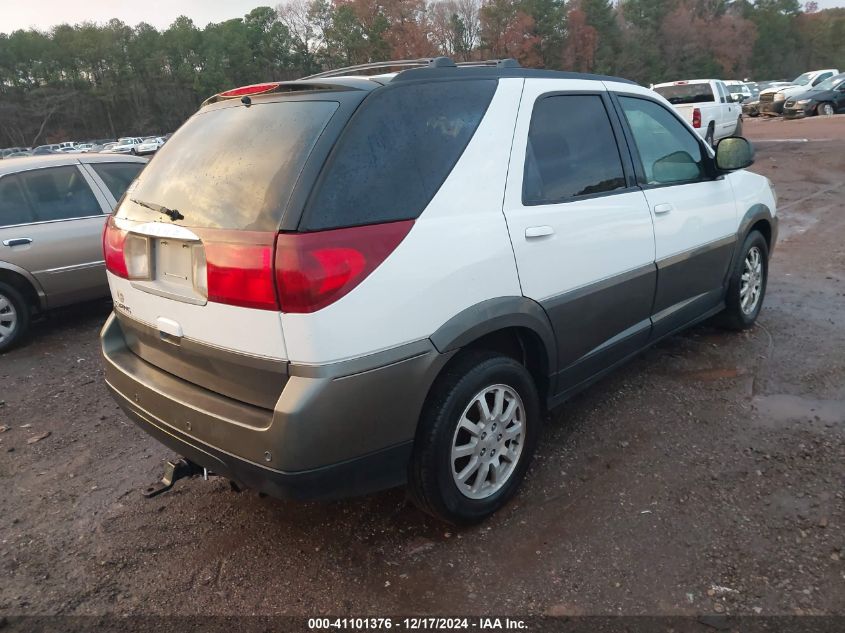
(176, 469)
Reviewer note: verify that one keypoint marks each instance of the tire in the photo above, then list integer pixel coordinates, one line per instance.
(14, 317)
(456, 396)
(825, 109)
(739, 314)
(738, 128)
(709, 136)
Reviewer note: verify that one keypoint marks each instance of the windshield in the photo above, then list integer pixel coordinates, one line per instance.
(830, 83)
(686, 93)
(125, 141)
(800, 80)
(232, 167)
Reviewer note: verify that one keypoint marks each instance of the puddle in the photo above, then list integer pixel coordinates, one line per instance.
(780, 408)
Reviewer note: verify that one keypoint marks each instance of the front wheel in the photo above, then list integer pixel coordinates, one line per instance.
(476, 438)
(747, 285)
(825, 109)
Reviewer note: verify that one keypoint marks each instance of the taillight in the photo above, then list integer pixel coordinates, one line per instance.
(254, 89)
(314, 270)
(126, 254)
(238, 268)
(696, 118)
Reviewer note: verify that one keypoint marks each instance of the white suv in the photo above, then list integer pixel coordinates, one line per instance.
(340, 284)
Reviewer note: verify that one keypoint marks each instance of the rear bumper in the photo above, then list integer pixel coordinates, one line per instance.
(337, 430)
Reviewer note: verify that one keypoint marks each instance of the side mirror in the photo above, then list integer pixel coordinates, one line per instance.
(734, 152)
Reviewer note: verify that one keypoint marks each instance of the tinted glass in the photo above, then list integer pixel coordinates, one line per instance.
(571, 151)
(686, 93)
(117, 176)
(669, 152)
(396, 152)
(233, 167)
(13, 206)
(59, 193)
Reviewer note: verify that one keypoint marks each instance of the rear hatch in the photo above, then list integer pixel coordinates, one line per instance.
(190, 249)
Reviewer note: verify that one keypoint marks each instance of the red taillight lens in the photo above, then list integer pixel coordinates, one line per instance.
(696, 118)
(113, 241)
(239, 268)
(254, 89)
(314, 270)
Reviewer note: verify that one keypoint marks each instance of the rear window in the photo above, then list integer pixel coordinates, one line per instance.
(686, 93)
(233, 167)
(396, 152)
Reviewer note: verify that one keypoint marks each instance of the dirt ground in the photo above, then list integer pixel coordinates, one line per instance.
(706, 476)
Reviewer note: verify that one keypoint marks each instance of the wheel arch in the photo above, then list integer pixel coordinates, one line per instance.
(24, 283)
(760, 218)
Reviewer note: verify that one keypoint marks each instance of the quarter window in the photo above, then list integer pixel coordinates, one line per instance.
(59, 193)
(571, 151)
(13, 206)
(117, 176)
(669, 152)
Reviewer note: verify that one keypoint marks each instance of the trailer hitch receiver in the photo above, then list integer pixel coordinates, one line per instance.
(174, 470)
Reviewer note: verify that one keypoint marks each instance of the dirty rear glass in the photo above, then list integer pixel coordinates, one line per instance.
(396, 152)
(686, 93)
(232, 168)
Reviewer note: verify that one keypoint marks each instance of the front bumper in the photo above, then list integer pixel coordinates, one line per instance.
(798, 112)
(771, 107)
(336, 431)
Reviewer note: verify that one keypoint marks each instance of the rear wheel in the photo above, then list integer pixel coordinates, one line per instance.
(14, 317)
(825, 109)
(476, 437)
(747, 285)
(738, 129)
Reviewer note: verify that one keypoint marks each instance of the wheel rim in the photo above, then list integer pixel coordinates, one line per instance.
(827, 108)
(8, 318)
(488, 442)
(752, 280)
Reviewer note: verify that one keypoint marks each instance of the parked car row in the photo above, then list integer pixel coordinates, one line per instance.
(811, 93)
(135, 145)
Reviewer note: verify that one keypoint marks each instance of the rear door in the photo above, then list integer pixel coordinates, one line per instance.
(580, 228)
(694, 212)
(61, 245)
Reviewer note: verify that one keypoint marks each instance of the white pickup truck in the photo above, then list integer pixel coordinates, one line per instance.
(706, 104)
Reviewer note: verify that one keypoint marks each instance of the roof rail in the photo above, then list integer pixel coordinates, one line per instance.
(423, 62)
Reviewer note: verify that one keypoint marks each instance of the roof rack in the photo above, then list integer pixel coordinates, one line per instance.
(424, 62)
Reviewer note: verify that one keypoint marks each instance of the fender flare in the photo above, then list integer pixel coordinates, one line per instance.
(39, 291)
(496, 314)
(754, 214)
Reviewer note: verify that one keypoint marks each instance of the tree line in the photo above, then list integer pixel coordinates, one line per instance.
(107, 80)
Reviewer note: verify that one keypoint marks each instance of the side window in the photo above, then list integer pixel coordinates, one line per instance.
(669, 152)
(821, 78)
(117, 176)
(59, 193)
(14, 208)
(396, 152)
(571, 151)
(723, 92)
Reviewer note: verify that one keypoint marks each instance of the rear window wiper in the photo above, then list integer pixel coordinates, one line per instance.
(173, 214)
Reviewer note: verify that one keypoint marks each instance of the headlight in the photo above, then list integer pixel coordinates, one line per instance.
(779, 96)
(803, 102)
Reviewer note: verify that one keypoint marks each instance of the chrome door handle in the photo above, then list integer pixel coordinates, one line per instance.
(17, 241)
(660, 209)
(538, 231)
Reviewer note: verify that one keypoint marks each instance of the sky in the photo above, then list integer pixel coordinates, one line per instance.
(43, 14)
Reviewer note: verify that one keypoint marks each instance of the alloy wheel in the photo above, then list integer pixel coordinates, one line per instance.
(751, 281)
(488, 442)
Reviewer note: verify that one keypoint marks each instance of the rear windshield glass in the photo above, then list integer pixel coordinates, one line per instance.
(232, 168)
(396, 152)
(686, 93)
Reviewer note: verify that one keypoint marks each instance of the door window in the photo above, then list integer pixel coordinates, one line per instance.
(669, 152)
(59, 193)
(13, 206)
(571, 151)
(117, 176)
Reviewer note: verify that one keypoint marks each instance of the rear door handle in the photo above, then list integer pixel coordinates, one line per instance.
(17, 241)
(660, 209)
(538, 231)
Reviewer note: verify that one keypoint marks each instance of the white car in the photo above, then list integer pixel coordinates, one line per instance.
(125, 145)
(773, 100)
(707, 105)
(315, 304)
(150, 145)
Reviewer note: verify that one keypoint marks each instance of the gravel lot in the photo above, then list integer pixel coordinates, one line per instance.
(704, 477)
